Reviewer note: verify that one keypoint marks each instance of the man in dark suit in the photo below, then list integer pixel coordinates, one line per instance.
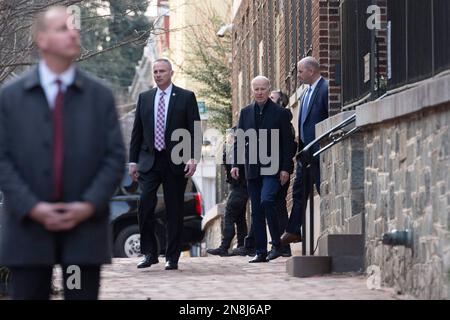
(264, 178)
(236, 205)
(280, 98)
(313, 109)
(61, 159)
(160, 112)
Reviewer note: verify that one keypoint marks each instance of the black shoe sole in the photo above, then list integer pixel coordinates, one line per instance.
(147, 266)
(251, 261)
(218, 254)
(171, 268)
(259, 261)
(273, 258)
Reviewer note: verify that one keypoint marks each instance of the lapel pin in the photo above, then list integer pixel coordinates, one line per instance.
(173, 94)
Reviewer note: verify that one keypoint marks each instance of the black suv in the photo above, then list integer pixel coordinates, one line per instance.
(124, 222)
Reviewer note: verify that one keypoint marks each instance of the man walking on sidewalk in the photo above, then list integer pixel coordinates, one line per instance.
(161, 111)
(236, 205)
(266, 127)
(314, 109)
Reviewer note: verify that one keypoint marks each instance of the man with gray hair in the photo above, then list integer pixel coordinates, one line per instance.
(271, 130)
(313, 106)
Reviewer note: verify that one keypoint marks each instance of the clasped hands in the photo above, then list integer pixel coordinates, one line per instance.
(61, 216)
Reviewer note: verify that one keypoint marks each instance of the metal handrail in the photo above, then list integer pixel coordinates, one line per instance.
(306, 157)
(304, 154)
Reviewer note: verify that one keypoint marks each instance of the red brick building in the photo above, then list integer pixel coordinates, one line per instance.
(388, 62)
(270, 37)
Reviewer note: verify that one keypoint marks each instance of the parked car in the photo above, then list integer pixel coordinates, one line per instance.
(124, 223)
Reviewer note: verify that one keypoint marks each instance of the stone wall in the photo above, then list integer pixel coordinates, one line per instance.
(407, 186)
(342, 183)
(405, 175)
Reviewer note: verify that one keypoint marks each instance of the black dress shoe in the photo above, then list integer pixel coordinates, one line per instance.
(250, 251)
(170, 265)
(287, 251)
(259, 258)
(148, 260)
(239, 251)
(275, 253)
(218, 252)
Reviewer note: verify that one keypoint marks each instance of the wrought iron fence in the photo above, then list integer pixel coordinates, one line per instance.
(418, 39)
(355, 46)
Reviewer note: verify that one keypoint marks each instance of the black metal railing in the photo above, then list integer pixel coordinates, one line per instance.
(420, 39)
(417, 34)
(307, 156)
(355, 44)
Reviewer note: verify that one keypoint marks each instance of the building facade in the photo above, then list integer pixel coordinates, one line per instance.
(392, 73)
(190, 20)
(270, 37)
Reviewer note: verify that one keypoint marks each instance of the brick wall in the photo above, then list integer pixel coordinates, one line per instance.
(307, 27)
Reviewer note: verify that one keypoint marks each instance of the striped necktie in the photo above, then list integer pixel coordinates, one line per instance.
(160, 123)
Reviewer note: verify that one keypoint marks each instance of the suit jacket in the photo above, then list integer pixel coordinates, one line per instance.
(277, 118)
(317, 112)
(182, 113)
(92, 169)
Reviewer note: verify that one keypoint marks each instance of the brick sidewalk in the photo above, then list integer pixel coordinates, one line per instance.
(230, 278)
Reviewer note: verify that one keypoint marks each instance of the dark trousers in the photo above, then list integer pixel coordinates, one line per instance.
(235, 216)
(34, 283)
(300, 194)
(174, 187)
(263, 192)
(283, 216)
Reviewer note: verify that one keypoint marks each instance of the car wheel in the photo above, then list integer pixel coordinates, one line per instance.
(128, 244)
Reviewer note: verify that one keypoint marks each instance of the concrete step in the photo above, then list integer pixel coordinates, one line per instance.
(339, 253)
(346, 251)
(308, 266)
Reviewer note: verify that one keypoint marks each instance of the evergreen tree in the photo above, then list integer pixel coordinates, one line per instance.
(127, 24)
(211, 68)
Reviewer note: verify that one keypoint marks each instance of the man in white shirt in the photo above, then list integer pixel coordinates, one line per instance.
(159, 112)
(61, 159)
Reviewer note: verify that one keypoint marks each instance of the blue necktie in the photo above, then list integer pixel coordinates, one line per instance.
(304, 112)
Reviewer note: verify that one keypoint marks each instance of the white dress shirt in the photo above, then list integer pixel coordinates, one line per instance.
(168, 93)
(48, 81)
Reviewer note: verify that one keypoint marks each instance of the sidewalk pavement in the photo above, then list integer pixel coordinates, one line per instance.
(229, 278)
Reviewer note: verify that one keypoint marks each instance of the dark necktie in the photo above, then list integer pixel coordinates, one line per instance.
(58, 143)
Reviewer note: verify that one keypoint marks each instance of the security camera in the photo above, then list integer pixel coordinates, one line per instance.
(223, 30)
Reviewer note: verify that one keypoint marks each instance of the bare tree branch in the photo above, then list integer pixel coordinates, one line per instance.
(141, 37)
